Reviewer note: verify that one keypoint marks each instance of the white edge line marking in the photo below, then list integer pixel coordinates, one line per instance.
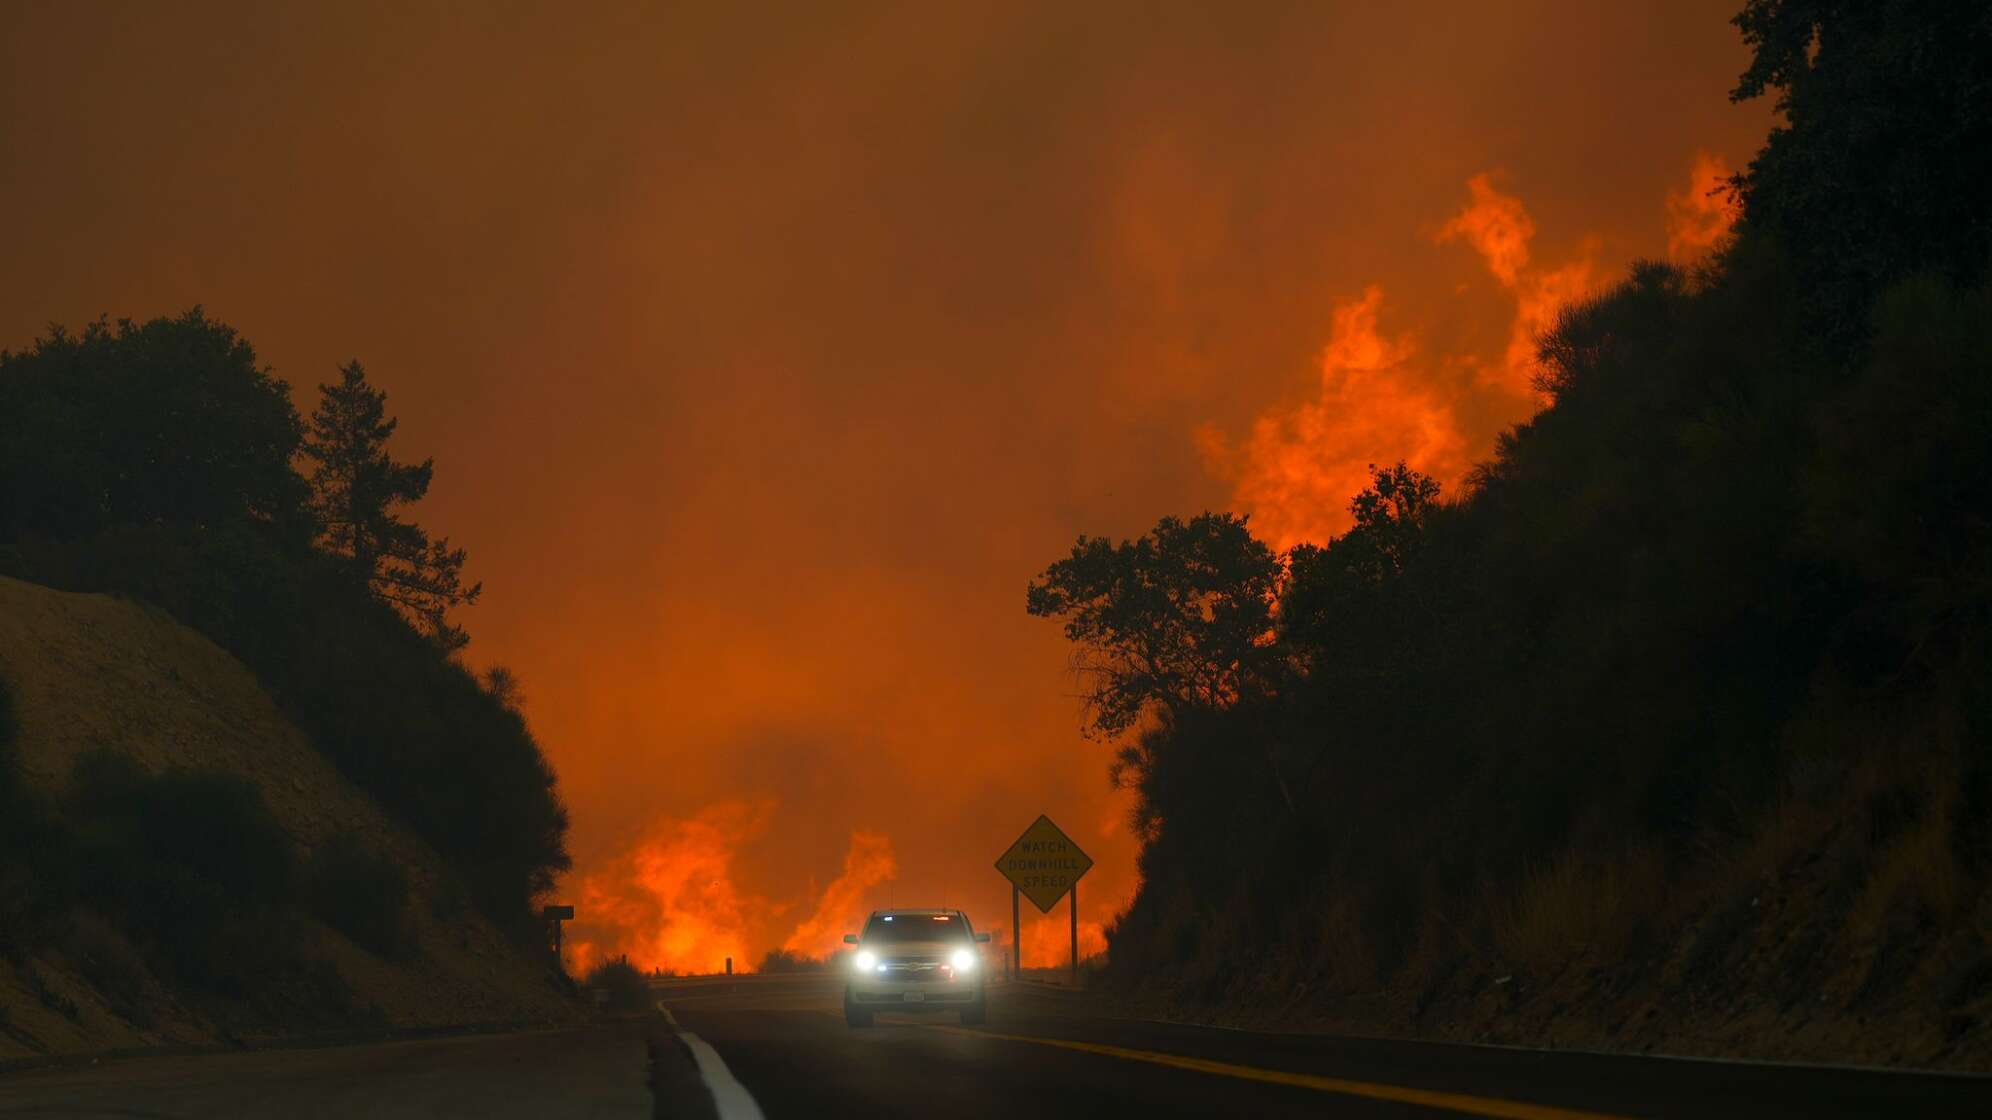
(729, 1097)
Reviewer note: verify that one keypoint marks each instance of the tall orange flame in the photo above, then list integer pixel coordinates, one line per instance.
(1700, 217)
(1048, 940)
(1497, 226)
(1499, 229)
(670, 901)
(1298, 469)
(1380, 400)
(867, 863)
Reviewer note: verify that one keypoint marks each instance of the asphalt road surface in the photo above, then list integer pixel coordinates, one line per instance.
(1046, 1053)
(778, 1047)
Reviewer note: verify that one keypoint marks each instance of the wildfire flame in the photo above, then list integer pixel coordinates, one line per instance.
(1381, 400)
(670, 901)
(867, 863)
(1700, 217)
(1297, 470)
(1048, 940)
(1499, 228)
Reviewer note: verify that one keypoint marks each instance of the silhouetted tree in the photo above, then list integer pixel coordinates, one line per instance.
(357, 492)
(1352, 583)
(169, 422)
(1180, 617)
(502, 684)
(1178, 620)
(1900, 493)
(1881, 165)
(1390, 523)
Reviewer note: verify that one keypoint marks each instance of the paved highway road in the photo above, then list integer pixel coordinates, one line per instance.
(778, 1047)
(1046, 1053)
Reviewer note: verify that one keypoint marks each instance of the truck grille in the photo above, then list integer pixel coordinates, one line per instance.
(915, 970)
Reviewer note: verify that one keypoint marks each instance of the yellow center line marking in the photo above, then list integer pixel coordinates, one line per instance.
(1452, 1102)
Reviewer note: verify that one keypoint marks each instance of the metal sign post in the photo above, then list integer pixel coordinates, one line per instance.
(1075, 933)
(1016, 935)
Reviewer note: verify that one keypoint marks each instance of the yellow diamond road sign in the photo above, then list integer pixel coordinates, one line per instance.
(1044, 863)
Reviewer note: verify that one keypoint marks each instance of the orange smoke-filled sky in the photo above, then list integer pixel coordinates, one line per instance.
(766, 354)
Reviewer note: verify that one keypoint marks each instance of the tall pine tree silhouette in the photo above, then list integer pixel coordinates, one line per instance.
(357, 491)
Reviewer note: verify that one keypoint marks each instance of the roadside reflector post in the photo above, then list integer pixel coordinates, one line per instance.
(1075, 933)
(729, 966)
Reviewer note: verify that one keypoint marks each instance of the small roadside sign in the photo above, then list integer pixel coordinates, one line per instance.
(553, 916)
(1044, 863)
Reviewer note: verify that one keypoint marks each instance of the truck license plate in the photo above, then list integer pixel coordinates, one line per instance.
(916, 997)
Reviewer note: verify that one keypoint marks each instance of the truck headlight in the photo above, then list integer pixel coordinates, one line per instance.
(865, 960)
(963, 960)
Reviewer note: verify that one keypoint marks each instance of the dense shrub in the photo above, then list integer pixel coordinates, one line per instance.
(190, 863)
(427, 738)
(9, 730)
(35, 880)
(784, 960)
(362, 894)
(624, 984)
(215, 825)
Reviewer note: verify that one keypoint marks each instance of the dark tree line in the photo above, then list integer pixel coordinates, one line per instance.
(159, 460)
(1741, 558)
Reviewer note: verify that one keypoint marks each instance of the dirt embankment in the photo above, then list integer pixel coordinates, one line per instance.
(1816, 944)
(89, 673)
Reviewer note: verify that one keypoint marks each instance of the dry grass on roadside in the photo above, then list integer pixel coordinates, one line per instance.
(1575, 905)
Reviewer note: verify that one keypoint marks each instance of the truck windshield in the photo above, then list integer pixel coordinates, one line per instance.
(916, 927)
